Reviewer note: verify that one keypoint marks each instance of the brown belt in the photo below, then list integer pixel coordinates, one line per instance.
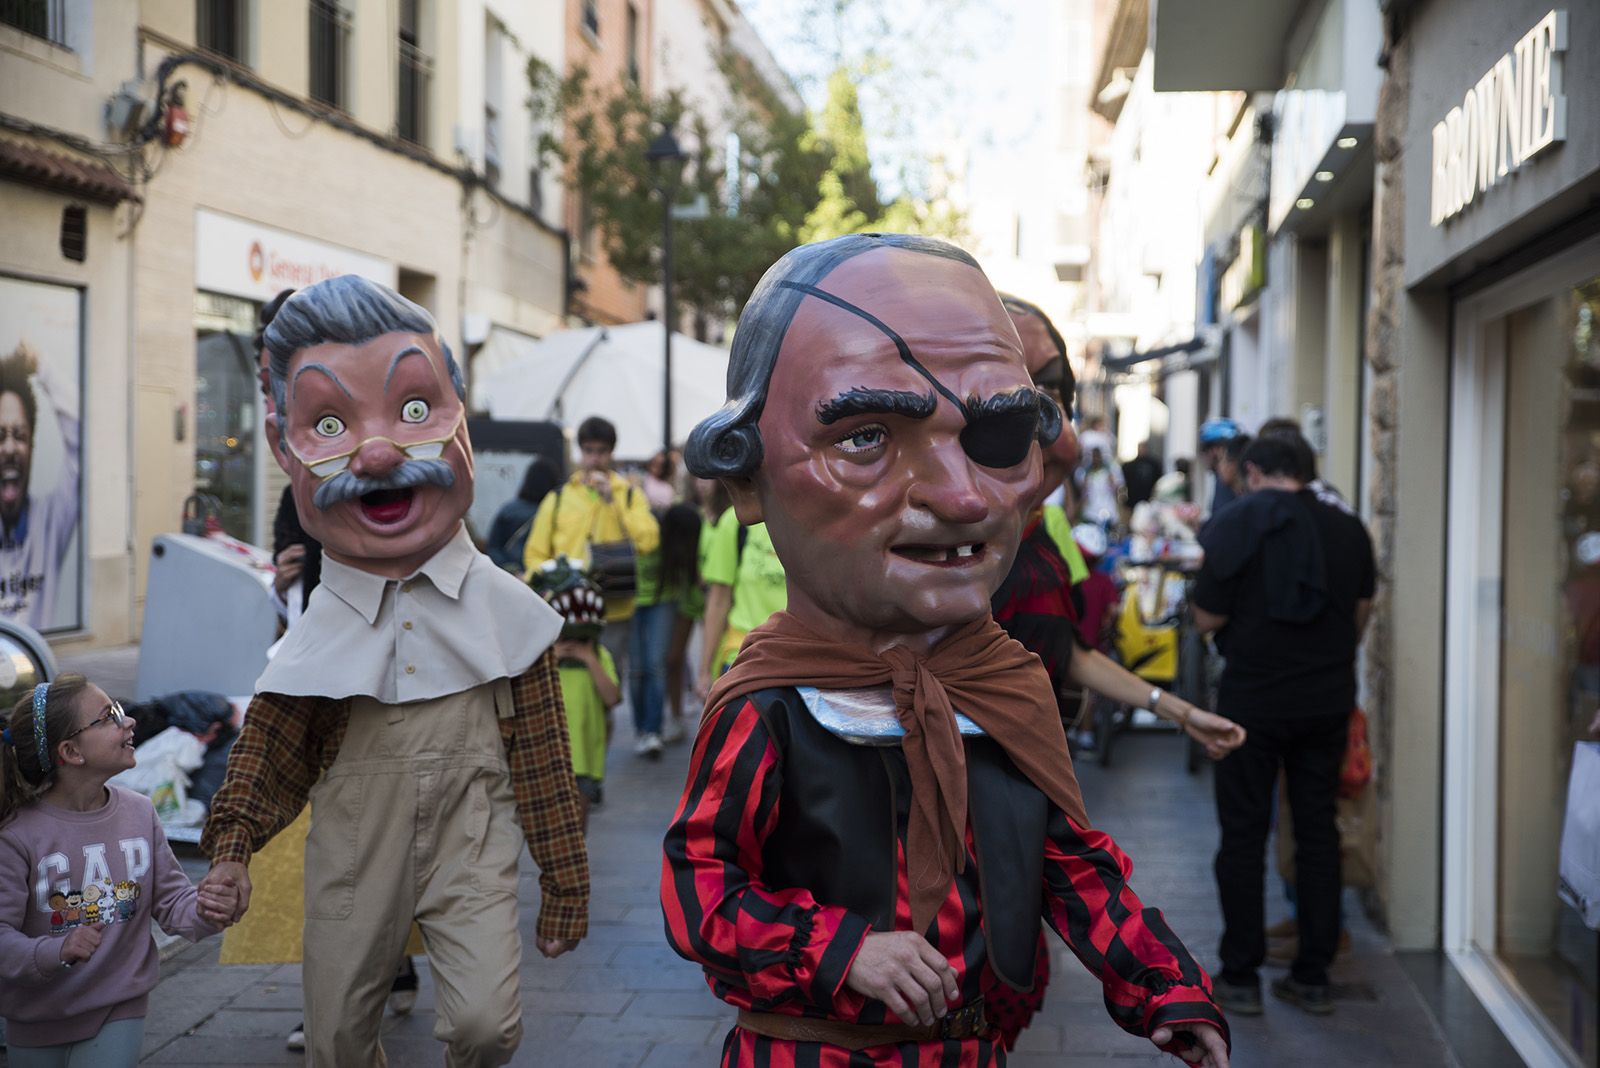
(966, 1022)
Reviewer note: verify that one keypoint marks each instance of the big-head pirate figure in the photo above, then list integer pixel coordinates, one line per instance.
(416, 702)
(881, 808)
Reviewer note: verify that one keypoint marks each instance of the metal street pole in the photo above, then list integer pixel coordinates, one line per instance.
(666, 302)
(664, 153)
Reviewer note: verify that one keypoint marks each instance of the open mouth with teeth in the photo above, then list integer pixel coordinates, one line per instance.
(10, 483)
(387, 507)
(943, 555)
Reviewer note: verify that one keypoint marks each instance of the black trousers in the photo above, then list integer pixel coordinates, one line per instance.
(1310, 750)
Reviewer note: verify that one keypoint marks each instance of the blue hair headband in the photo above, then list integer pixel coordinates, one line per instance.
(40, 692)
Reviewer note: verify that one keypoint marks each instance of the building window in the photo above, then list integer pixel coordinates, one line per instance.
(416, 70)
(330, 52)
(633, 45)
(591, 17)
(220, 27)
(494, 40)
(41, 18)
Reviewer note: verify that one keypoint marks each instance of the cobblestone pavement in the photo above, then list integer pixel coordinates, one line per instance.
(624, 1000)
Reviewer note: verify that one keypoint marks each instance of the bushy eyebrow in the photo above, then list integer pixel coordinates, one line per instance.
(863, 401)
(325, 369)
(409, 350)
(1018, 400)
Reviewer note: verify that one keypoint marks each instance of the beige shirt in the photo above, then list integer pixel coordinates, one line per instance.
(459, 622)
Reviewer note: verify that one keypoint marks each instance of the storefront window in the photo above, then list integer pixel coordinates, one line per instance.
(226, 403)
(1550, 649)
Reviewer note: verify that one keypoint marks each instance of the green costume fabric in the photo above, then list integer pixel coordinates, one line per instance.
(756, 574)
(1059, 528)
(586, 715)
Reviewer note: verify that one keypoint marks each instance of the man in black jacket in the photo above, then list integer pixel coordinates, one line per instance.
(1287, 586)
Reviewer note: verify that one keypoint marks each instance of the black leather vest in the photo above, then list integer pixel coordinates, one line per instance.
(844, 805)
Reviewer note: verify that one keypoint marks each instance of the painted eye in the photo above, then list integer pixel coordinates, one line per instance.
(330, 426)
(867, 440)
(415, 411)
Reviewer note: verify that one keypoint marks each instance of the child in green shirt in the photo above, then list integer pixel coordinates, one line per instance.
(589, 687)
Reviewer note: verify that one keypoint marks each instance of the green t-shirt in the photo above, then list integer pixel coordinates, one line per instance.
(586, 715)
(756, 575)
(1059, 528)
(647, 572)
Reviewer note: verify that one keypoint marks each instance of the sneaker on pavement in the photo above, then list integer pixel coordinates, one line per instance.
(403, 991)
(1240, 999)
(297, 1038)
(1316, 998)
(671, 731)
(648, 745)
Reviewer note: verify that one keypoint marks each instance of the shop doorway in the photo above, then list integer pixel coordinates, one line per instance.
(227, 405)
(1524, 646)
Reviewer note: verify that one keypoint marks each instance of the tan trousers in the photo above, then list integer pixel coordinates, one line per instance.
(415, 820)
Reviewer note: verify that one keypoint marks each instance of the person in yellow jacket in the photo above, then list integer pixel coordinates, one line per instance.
(595, 506)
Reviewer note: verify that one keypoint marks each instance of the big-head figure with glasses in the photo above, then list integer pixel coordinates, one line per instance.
(881, 810)
(416, 703)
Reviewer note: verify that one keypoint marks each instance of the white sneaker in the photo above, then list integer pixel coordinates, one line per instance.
(671, 731)
(648, 745)
(297, 1039)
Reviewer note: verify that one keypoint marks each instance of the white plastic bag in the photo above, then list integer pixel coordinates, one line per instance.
(1580, 835)
(162, 772)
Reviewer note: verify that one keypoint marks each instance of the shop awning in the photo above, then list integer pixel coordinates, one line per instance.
(1195, 345)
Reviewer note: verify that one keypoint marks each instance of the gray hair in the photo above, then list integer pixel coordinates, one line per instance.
(727, 443)
(347, 310)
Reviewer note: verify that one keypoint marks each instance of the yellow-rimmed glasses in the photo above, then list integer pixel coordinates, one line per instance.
(329, 466)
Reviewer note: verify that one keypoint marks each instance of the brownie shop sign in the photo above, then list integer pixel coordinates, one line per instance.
(1512, 114)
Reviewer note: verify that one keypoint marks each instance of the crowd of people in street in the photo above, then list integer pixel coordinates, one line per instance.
(828, 571)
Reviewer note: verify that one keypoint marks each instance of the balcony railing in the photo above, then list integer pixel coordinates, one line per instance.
(330, 49)
(416, 71)
(41, 18)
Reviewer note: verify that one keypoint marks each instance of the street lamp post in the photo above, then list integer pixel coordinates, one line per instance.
(663, 154)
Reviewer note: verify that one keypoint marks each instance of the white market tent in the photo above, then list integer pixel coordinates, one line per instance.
(610, 371)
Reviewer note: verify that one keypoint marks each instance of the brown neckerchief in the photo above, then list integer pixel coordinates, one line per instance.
(995, 682)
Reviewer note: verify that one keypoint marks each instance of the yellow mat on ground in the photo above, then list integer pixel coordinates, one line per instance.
(272, 929)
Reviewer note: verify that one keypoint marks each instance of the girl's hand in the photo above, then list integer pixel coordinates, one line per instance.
(219, 903)
(1218, 734)
(80, 944)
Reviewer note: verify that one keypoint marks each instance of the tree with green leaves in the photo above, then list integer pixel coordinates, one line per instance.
(602, 136)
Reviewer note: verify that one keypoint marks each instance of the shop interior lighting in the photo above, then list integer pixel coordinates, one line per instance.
(1324, 176)
(1305, 203)
(1346, 142)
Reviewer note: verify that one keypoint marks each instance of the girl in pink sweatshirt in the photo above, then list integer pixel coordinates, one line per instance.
(84, 867)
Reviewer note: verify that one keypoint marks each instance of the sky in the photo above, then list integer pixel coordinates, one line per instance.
(957, 71)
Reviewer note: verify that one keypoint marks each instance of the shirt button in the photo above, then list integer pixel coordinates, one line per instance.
(411, 669)
(406, 624)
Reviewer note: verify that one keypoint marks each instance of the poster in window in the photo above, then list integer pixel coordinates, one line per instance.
(41, 346)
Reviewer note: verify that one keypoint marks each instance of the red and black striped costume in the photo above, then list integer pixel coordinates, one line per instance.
(771, 946)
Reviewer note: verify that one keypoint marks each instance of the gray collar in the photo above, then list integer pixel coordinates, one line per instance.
(864, 717)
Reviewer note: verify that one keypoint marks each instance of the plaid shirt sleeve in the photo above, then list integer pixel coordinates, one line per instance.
(275, 760)
(540, 760)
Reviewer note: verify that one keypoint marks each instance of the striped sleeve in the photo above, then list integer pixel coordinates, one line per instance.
(764, 949)
(1149, 977)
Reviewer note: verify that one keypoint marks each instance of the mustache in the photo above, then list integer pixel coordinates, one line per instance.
(411, 473)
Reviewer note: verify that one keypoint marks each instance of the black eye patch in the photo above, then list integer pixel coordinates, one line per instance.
(1001, 439)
